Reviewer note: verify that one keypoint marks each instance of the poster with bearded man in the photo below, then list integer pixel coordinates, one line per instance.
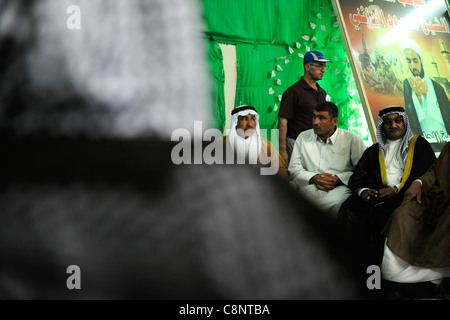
(400, 55)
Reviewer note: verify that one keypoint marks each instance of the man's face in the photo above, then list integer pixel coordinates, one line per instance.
(414, 62)
(393, 126)
(247, 125)
(316, 70)
(323, 124)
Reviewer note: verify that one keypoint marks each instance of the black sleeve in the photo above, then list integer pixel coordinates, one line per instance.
(287, 104)
(367, 172)
(424, 158)
(410, 109)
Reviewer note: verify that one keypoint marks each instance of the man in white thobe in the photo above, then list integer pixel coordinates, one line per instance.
(323, 159)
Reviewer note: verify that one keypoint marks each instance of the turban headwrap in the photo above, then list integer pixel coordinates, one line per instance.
(407, 43)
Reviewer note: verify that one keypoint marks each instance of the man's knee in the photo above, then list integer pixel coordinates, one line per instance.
(410, 210)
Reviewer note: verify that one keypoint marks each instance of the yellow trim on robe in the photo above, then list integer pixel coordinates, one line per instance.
(409, 162)
(408, 165)
(406, 171)
(382, 167)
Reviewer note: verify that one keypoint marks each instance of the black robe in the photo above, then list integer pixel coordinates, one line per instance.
(363, 221)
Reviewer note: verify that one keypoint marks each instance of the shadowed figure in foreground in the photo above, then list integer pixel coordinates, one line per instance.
(88, 180)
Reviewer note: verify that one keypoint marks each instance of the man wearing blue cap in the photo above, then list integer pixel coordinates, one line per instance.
(299, 100)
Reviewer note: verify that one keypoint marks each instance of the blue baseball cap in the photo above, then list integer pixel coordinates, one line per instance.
(314, 56)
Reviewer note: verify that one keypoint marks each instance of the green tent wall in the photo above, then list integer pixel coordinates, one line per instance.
(271, 38)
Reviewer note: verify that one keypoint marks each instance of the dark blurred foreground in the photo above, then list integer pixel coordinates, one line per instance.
(87, 178)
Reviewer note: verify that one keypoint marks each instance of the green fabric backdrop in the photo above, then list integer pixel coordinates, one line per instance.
(218, 76)
(271, 38)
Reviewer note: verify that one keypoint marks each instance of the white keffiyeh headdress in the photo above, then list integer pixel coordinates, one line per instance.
(245, 148)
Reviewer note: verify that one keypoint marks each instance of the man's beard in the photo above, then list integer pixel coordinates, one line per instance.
(248, 132)
(421, 74)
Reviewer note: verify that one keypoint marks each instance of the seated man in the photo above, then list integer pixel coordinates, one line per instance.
(418, 238)
(246, 142)
(380, 179)
(323, 159)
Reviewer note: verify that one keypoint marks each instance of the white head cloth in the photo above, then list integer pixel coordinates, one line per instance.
(241, 146)
(404, 145)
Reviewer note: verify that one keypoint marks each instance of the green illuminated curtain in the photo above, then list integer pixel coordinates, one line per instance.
(218, 78)
(271, 38)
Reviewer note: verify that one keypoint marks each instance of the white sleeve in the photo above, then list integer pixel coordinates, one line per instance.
(297, 172)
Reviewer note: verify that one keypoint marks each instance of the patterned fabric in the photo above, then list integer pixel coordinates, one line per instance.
(404, 145)
(123, 74)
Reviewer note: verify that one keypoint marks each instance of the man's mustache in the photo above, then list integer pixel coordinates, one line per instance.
(394, 129)
(249, 128)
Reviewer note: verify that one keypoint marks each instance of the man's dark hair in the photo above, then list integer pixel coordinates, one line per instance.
(328, 106)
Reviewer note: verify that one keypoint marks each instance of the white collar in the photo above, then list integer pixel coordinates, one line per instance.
(331, 138)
